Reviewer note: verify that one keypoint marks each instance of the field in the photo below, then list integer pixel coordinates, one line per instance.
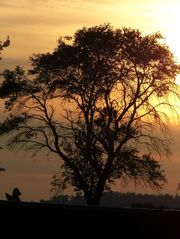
(137, 223)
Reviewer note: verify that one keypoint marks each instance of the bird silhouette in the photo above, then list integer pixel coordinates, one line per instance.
(15, 195)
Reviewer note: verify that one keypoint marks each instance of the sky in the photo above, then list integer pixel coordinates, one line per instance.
(34, 26)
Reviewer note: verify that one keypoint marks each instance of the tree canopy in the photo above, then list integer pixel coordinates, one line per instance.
(95, 102)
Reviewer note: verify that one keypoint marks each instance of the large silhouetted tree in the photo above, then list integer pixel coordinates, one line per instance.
(95, 102)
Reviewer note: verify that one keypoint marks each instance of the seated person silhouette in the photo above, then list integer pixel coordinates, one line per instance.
(15, 195)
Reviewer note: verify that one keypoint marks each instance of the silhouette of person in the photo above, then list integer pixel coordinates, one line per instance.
(15, 195)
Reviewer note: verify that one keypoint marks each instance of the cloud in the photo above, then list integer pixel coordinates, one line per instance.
(49, 12)
(52, 3)
(42, 19)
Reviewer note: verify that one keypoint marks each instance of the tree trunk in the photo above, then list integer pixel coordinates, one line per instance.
(92, 200)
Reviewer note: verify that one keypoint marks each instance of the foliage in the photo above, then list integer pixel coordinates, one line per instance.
(111, 85)
(4, 44)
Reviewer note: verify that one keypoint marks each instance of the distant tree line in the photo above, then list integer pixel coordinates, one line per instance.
(118, 199)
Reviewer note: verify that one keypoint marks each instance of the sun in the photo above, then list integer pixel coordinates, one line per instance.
(170, 17)
(178, 80)
(172, 36)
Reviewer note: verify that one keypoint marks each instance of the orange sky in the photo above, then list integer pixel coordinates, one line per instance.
(35, 25)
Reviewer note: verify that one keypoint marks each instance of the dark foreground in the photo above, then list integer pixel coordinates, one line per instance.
(87, 222)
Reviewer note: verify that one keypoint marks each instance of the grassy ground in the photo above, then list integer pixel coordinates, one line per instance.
(63, 219)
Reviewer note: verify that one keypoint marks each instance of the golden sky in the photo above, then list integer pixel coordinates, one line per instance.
(34, 27)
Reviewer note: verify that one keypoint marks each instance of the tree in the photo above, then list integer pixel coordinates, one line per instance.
(95, 102)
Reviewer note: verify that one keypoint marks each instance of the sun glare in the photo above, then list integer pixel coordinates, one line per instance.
(178, 80)
(172, 31)
(172, 35)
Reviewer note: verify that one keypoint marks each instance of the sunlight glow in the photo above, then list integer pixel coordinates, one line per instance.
(173, 31)
(178, 80)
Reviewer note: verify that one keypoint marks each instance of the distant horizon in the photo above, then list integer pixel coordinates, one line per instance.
(119, 199)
